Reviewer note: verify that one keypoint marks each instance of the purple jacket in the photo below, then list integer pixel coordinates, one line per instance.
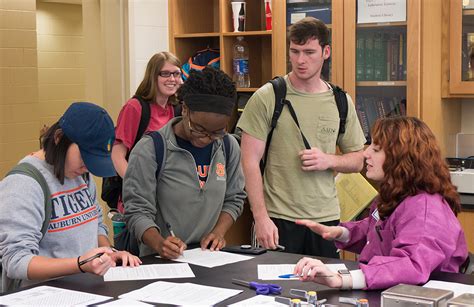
(421, 236)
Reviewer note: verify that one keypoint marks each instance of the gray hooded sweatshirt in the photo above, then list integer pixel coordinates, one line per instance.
(177, 198)
(76, 219)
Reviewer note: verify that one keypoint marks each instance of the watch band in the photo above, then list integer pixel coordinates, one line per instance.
(346, 279)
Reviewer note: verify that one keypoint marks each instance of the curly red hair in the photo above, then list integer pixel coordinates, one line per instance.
(413, 163)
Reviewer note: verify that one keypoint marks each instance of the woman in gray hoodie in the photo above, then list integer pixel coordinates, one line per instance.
(199, 192)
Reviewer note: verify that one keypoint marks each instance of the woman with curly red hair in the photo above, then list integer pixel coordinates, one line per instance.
(412, 229)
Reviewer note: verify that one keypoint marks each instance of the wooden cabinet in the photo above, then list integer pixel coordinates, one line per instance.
(196, 25)
(461, 47)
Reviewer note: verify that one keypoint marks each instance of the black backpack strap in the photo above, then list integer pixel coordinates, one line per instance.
(226, 142)
(30, 170)
(279, 87)
(178, 109)
(160, 152)
(342, 106)
(144, 120)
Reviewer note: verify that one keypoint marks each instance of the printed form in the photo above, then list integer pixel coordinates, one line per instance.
(51, 296)
(210, 259)
(163, 292)
(272, 271)
(149, 271)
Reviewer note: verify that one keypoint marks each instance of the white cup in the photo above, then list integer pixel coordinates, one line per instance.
(238, 19)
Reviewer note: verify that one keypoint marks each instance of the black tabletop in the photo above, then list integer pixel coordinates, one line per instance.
(222, 277)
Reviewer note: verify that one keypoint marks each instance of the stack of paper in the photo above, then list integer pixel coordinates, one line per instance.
(163, 292)
(150, 271)
(210, 259)
(51, 296)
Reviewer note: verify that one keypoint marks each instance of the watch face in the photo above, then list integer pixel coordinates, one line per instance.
(343, 271)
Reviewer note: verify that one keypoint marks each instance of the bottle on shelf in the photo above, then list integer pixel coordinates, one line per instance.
(241, 63)
(268, 14)
(242, 17)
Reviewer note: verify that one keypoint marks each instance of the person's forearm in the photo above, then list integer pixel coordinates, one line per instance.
(223, 224)
(254, 188)
(152, 238)
(45, 268)
(351, 162)
(119, 152)
(103, 241)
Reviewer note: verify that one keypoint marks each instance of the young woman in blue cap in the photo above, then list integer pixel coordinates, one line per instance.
(80, 142)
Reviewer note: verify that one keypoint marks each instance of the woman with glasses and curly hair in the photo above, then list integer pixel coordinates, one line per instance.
(158, 88)
(412, 229)
(200, 190)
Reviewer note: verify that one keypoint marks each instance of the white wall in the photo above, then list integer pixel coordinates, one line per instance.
(148, 34)
(467, 121)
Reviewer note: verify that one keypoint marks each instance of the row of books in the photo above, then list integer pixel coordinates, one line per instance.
(370, 108)
(381, 56)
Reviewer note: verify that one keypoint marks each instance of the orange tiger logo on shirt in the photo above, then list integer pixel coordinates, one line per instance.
(220, 169)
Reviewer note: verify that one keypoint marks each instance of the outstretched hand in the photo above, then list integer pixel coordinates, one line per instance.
(327, 232)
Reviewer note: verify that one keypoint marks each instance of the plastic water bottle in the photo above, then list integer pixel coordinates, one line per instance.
(241, 63)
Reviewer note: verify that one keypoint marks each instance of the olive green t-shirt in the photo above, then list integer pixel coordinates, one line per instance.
(291, 193)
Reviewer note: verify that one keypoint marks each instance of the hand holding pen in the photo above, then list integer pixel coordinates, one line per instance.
(96, 261)
(171, 247)
(310, 269)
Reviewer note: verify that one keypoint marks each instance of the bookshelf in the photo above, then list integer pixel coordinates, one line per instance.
(196, 25)
(381, 65)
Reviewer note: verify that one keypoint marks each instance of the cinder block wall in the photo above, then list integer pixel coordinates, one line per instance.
(60, 58)
(19, 107)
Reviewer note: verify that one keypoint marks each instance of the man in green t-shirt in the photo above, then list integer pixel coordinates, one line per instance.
(299, 183)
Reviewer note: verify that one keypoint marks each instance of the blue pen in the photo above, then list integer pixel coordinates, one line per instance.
(296, 275)
(288, 276)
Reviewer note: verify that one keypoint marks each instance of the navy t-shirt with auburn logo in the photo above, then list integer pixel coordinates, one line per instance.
(202, 157)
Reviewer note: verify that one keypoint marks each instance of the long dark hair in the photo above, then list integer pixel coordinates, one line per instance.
(55, 153)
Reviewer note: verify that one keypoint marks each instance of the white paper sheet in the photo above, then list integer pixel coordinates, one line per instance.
(163, 292)
(210, 259)
(51, 296)
(125, 302)
(457, 288)
(272, 271)
(259, 300)
(150, 271)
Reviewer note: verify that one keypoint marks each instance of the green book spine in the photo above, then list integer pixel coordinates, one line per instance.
(360, 57)
(369, 56)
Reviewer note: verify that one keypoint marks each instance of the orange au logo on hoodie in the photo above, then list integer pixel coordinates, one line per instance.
(220, 169)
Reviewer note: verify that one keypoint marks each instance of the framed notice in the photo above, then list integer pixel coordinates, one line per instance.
(381, 11)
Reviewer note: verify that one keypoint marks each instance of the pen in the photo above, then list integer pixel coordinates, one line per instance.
(169, 229)
(295, 275)
(81, 263)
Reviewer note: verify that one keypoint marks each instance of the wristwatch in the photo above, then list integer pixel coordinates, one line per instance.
(346, 279)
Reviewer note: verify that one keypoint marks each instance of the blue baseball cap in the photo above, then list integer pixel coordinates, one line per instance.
(92, 129)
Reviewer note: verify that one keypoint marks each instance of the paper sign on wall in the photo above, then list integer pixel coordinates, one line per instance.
(380, 11)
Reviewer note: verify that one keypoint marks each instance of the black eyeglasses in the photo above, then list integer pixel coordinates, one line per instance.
(167, 74)
(204, 134)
